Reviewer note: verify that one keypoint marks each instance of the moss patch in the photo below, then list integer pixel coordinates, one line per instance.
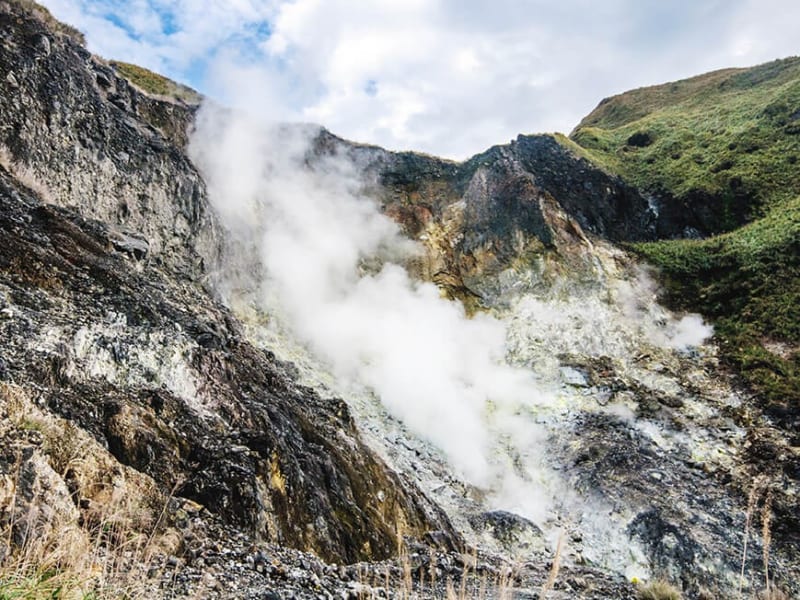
(156, 84)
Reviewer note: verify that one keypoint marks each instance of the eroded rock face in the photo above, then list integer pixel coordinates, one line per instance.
(85, 138)
(532, 221)
(106, 233)
(158, 372)
(533, 202)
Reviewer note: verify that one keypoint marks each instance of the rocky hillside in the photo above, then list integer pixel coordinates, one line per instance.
(723, 149)
(156, 441)
(111, 335)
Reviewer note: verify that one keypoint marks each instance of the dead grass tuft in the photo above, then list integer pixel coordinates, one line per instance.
(25, 175)
(773, 594)
(760, 501)
(110, 547)
(47, 18)
(659, 590)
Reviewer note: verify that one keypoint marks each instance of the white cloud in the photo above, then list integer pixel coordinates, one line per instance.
(439, 76)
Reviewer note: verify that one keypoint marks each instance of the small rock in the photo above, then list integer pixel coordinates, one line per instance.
(573, 377)
(209, 581)
(135, 247)
(44, 45)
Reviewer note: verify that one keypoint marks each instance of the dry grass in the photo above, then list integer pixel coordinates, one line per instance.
(773, 594)
(472, 583)
(551, 579)
(112, 547)
(46, 17)
(759, 501)
(659, 590)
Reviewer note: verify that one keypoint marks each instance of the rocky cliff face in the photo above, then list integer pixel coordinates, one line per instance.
(135, 402)
(95, 144)
(106, 323)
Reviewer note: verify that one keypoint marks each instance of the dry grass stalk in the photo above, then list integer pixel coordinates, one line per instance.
(471, 561)
(504, 584)
(551, 578)
(110, 560)
(774, 594)
(752, 502)
(760, 489)
(450, 591)
(106, 551)
(432, 568)
(766, 536)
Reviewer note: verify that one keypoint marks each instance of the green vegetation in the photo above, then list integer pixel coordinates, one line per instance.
(46, 585)
(748, 282)
(731, 135)
(728, 143)
(156, 84)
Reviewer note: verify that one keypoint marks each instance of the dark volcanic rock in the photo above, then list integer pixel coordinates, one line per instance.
(267, 455)
(105, 233)
(531, 199)
(222, 424)
(85, 138)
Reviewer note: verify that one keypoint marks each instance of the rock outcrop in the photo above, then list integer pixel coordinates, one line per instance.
(92, 142)
(105, 233)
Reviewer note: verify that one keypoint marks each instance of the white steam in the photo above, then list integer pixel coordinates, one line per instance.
(330, 266)
(316, 254)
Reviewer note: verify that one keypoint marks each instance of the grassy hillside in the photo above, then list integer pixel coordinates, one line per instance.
(729, 139)
(731, 133)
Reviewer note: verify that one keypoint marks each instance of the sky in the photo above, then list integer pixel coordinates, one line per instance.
(446, 77)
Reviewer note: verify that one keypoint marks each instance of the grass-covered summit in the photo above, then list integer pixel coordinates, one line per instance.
(723, 147)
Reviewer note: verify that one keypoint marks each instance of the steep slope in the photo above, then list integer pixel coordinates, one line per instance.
(531, 203)
(692, 159)
(722, 149)
(122, 368)
(106, 233)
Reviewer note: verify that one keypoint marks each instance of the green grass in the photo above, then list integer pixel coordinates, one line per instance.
(36, 586)
(747, 282)
(155, 84)
(731, 135)
(730, 140)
